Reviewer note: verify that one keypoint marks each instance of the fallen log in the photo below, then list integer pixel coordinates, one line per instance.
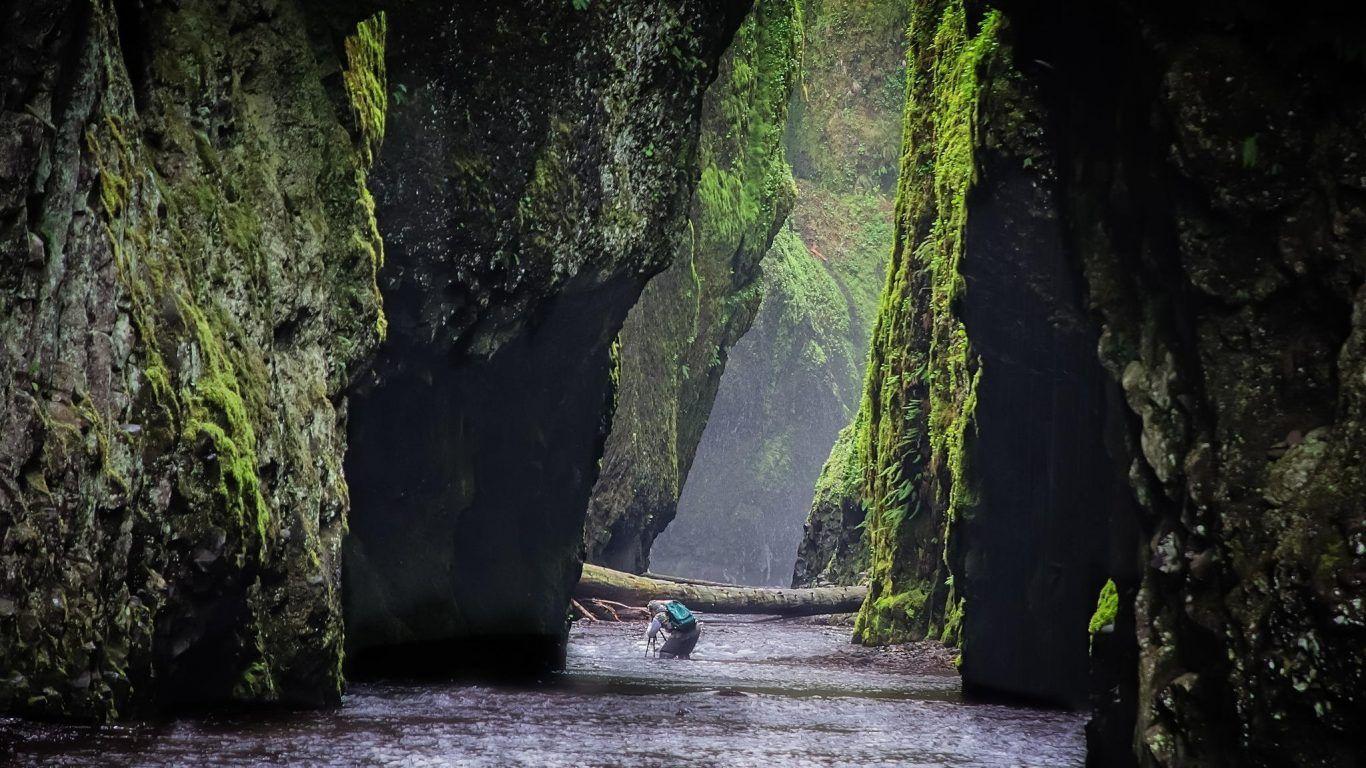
(606, 584)
(681, 580)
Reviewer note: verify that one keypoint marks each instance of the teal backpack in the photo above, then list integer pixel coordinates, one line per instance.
(679, 616)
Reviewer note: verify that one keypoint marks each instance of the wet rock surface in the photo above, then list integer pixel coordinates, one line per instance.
(187, 286)
(539, 168)
(1220, 236)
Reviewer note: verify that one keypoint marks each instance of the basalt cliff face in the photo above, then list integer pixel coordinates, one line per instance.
(674, 345)
(1179, 189)
(1112, 428)
(539, 167)
(191, 296)
(1216, 195)
(188, 284)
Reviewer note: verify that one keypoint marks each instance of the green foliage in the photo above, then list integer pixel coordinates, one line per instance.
(255, 683)
(1249, 151)
(889, 615)
(850, 233)
(812, 313)
(745, 177)
(952, 625)
(840, 478)
(365, 81)
(845, 129)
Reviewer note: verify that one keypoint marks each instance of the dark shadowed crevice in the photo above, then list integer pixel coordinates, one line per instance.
(472, 477)
(1032, 554)
(132, 22)
(1198, 149)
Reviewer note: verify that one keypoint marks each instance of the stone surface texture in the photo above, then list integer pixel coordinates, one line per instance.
(539, 166)
(188, 285)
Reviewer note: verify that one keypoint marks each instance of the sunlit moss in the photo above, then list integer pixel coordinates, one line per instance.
(744, 174)
(366, 82)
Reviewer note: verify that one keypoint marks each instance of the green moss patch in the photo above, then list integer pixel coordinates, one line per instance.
(1107, 606)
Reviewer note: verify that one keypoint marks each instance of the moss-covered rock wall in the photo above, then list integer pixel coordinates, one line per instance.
(793, 380)
(539, 166)
(1179, 184)
(833, 549)
(674, 345)
(188, 285)
(1215, 158)
(920, 391)
(785, 392)
(981, 444)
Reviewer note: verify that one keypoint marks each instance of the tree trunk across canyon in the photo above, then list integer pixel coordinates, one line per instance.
(607, 584)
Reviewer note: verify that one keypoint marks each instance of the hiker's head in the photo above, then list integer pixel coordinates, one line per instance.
(656, 606)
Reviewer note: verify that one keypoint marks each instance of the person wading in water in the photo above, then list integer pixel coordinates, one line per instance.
(680, 627)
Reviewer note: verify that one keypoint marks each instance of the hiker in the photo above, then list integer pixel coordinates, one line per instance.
(680, 627)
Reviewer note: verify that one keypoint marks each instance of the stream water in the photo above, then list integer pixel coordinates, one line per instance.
(757, 693)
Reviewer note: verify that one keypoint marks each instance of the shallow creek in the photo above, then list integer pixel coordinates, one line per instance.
(757, 693)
